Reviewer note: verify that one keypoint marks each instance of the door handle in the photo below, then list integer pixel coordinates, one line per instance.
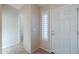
(52, 33)
(77, 33)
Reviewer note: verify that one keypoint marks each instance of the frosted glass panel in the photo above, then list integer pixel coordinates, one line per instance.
(45, 26)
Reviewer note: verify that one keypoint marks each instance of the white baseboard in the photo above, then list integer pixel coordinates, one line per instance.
(35, 49)
(45, 49)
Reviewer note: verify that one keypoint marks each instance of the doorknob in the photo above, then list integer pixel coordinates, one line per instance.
(52, 34)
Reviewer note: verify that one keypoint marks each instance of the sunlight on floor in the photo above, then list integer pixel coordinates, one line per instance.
(18, 49)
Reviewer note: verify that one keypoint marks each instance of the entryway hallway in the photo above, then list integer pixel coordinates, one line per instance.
(46, 28)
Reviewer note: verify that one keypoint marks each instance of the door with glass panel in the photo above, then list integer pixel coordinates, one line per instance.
(44, 24)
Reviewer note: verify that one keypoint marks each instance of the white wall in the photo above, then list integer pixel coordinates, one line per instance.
(30, 15)
(35, 27)
(9, 26)
(25, 12)
(0, 29)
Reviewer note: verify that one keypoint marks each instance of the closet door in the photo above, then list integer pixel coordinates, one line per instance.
(64, 39)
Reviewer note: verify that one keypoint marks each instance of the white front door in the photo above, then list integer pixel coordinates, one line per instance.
(64, 28)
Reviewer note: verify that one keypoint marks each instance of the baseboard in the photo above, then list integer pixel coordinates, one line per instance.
(45, 49)
(35, 49)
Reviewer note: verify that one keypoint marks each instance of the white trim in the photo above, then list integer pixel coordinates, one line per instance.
(35, 49)
(45, 49)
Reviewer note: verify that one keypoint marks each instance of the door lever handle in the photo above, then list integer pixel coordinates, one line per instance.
(52, 34)
(77, 33)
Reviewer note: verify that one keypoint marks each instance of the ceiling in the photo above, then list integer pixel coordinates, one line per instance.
(53, 5)
(18, 6)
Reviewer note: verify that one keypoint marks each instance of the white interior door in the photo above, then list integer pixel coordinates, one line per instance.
(78, 30)
(60, 38)
(64, 38)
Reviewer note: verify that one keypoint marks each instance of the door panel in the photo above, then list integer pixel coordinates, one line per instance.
(64, 39)
(78, 30)
(60, 37)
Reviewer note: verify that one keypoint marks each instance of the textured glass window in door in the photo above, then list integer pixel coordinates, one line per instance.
(45, 25)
